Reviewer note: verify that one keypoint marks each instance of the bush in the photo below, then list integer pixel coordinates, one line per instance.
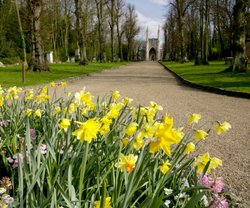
(10, 60)
(86, 152)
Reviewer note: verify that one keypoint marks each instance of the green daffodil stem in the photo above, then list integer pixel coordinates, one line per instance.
(104, 193)
(82, 171)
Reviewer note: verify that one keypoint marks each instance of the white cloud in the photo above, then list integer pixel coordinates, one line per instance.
(160, 2)
(152, 25)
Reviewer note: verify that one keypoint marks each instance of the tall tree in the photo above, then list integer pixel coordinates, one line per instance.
(131, 29)
(100, 18)
(81, 25)
(181, 7)
(22, 34)
(119, 6)
(111, 8)
(239, 37)
(37, 62)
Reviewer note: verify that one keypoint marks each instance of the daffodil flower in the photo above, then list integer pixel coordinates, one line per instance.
(127, 162)
(190, 147)
(164, 168)
(194, 118)
(200, 134)
(222, 127)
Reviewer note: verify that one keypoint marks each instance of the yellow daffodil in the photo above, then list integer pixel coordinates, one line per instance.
(127, 162)
(97, 204)
(194, 118)
(164, 168)
(38, 113)
(138, 142)
(72, 108)
(115, 95)
(114, 110)
(130, 130)
(125, 141)
(222, 127)
(83, 97)
(53, 84)
(190, 147)
(63, 84)
(57, 110)
(44, 90)
(156, 106)
(29, 94)
(202, 161)
(105, 128)
(215, 162)
(64, 124)
(165, 136)
(28, 112)
(88, 130)
(1, 101)
(200, 135)
(127, 101)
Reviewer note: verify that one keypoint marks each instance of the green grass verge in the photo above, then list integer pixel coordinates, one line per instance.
(12, 75)
(212, 75)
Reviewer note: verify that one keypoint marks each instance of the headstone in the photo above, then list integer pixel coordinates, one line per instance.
(72, 59)
(1, 64)
(49, 57)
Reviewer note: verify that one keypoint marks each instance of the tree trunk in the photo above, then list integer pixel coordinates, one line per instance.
(205, 51)
(80, 25)
(37, 62)
(99, 7)
(239, 37)
(22, 35)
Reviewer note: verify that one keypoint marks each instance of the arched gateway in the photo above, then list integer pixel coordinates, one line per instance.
(153, 52)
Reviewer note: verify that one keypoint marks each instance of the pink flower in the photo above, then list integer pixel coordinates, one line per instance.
(218, 185)
(32, 133)
(220, 203)
(14, 160)
(207, 181)
(43, 149)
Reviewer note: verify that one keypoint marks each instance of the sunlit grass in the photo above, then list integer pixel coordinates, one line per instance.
(212, 75)
(12, 75)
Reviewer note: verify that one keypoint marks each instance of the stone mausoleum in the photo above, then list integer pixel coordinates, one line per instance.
(149, 49)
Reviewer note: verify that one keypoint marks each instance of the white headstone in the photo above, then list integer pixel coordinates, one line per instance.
(1, 64)
(49, 57)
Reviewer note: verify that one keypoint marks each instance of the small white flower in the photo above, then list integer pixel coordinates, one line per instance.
(205, 200)
(168, 191)
(167, 202)
(180, 196)
(2, 190)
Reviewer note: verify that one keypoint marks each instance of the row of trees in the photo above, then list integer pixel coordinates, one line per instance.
(207, 29)
(101, 30)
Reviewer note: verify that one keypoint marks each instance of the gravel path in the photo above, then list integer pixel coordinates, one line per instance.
(149, 81)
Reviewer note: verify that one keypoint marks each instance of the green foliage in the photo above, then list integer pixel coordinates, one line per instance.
(12, 75)
(212, 75)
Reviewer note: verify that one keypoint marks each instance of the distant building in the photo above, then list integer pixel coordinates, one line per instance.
(149, 50)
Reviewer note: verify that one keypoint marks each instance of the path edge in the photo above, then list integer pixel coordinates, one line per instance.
(207, 88)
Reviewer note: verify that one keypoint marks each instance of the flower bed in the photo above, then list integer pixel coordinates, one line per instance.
(87, 152)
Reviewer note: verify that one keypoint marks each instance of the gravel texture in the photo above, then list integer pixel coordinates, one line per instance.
(149, 81)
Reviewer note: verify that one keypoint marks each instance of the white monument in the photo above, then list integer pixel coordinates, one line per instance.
(49, 57)
(153, 50)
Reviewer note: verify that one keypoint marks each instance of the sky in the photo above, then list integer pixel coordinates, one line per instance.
(150, 14)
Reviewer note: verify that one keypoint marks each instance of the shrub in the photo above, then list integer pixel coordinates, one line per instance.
(86, 152)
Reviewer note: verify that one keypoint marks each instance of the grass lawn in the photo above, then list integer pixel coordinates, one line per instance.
(212, 75)
(12, 75)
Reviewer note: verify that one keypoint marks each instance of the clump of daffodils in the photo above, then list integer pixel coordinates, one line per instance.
(84, 151)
